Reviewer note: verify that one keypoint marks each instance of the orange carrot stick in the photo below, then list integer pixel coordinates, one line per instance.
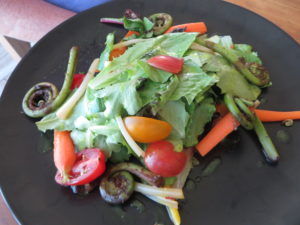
(265, 115)
(272, 116)
(64, 152)
(224, 127)
(190, 27)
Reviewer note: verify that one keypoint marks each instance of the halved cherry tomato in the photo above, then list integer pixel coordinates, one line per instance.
(90, 165)
(147, 130)
(77, 80)
(166, 63)
(160, 158)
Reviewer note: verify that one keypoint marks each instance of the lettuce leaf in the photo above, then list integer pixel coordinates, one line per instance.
(230, 79)
(245, 51)
(106, 52)
(200, 115)
(164, 94)
(121, 96)
(154, 74)
(225, 41)
(197, 57)
(174, 113)
(51, 122)
(173, 44)
(193, 81)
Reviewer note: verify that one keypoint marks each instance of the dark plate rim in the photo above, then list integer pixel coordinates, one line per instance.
(36, 45)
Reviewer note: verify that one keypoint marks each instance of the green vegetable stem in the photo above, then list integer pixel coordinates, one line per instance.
(249, 120)
(118, 184)
(253, 72)
(42, 98)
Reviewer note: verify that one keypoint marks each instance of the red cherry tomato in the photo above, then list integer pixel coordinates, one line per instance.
(160, 158)
(90, 164)
(77, 80)
(166, 63)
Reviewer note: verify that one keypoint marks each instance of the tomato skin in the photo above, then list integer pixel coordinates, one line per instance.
(160, 158)
(77, 80)
(90, 164)
(166, 63)
(147, 130)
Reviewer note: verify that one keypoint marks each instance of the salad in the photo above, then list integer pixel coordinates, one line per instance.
(150, 102)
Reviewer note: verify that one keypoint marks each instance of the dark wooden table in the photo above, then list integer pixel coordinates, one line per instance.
(285, 14)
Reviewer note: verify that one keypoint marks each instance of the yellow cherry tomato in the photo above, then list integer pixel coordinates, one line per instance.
(147, 130)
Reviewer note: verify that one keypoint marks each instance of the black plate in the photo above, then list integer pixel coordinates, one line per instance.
(243, 190)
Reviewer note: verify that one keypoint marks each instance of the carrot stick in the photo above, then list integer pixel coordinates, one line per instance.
(64, 152)
(224, 127)
(199, 27)
(272, 116)
(265, 115)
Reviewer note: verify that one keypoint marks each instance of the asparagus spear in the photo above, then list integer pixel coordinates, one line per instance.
(253, 72)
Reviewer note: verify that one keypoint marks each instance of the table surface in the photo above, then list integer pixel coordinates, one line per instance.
(285, 14)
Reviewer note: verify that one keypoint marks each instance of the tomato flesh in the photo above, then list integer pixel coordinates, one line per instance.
(147, 130)
(166, 63)
(90, 164)
(160, 158)
(77, 80)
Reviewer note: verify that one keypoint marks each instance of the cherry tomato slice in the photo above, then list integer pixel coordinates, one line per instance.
(77, 80)
(90, 164)
(166, 63)
(147, 130)
(160, 158)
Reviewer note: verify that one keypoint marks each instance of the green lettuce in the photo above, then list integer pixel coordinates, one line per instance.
(51, 122)
(121, 96)
(164, 94)
(106, 52)
(200, 115)
(174, 113)
(154, 74)
(173, 44)
(230, 79)
(197, 57)
(245, 51)
(192, 82)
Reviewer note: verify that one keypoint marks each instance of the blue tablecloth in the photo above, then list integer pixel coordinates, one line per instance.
(77, 5)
